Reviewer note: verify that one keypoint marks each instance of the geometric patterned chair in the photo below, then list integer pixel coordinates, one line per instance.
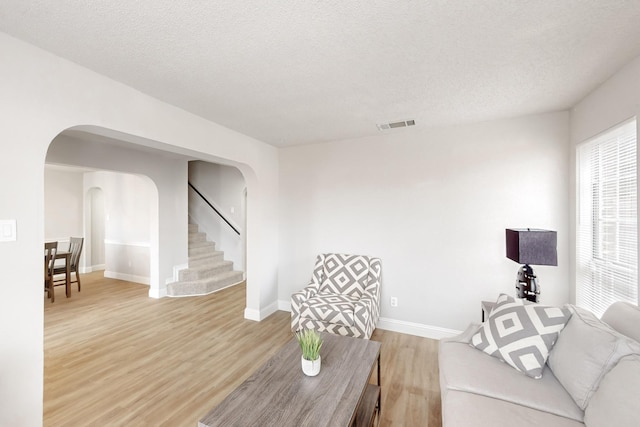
(343, 297)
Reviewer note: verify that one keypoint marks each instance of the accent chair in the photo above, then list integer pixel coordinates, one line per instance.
(343, 297)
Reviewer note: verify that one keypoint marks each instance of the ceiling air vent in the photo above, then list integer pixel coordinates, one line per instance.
(393, 125)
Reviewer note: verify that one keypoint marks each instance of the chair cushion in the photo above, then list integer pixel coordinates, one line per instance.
(330, 308)
(521, 335)
(345, 274)
(586, 350)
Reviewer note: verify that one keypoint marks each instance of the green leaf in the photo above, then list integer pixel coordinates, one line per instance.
(310, 343)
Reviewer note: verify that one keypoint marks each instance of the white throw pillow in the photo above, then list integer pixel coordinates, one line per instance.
(586, 350)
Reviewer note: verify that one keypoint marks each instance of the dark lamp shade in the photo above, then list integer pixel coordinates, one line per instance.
(532, 246)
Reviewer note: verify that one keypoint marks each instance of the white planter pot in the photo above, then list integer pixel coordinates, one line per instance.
(311, 368)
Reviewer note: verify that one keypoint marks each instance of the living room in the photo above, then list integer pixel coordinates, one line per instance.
(431, 201)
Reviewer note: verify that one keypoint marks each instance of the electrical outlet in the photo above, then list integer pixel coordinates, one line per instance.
(394, 302)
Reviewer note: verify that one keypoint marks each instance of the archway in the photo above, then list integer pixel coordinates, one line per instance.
(167, 171)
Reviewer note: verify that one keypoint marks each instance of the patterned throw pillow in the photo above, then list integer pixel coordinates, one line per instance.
(521, 334)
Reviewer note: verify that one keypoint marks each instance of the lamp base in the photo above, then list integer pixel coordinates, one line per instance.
(527, 284)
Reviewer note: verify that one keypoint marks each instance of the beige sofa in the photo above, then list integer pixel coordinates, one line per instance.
(591, 378)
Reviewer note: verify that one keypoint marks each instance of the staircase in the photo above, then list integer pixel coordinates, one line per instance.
(207, 272)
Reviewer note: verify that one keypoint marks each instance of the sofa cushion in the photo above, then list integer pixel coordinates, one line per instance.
(345, 274)
(463, 368)
(331, 308)
(468, 409)
(521, 335)
(624, 318)
(586, 351)
(615, 402)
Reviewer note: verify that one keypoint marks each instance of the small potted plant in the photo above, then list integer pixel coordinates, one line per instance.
(310, 343)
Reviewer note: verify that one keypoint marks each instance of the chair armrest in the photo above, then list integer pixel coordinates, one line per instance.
(297, 299)
(367, 312)
(367, 302)
(305, 293)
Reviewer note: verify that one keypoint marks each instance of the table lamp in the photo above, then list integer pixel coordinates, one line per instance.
(530, 246)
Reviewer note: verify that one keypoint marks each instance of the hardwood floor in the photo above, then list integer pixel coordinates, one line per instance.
(114, 356)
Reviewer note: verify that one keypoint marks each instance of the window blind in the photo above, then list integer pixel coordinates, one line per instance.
(607, 248)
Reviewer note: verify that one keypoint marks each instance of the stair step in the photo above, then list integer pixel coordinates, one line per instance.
(201, 244)
(197, 237)
(210, 269)
(204, 286)
(199, 260)
(201, 248)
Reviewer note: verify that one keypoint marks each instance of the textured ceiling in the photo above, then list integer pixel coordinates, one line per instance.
(292, 72)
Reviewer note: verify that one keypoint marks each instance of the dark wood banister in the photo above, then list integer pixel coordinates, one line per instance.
(213, 207)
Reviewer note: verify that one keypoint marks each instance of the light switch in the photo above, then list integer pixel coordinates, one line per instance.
(7, 230)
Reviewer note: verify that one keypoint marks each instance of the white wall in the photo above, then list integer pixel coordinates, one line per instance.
(223, 186)
(63, 204)
(95, 223)
(130, 201)
(126, 223)
(615, 101)
(42, 95)
(433, 204)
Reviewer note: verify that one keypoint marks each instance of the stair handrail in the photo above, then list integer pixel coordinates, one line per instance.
(213, 207)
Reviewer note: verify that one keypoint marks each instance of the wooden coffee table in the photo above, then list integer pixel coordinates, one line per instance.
(279, 394)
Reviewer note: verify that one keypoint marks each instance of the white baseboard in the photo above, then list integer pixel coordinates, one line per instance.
(92, 268)
(259, 315)
(157, 293)
(417, 329)
(128, 277)
(251, 314)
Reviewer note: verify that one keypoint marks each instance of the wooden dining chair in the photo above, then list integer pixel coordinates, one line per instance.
(75, 247)
(50, 249)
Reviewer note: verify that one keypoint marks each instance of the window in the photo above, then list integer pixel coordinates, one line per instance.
(607, 249)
